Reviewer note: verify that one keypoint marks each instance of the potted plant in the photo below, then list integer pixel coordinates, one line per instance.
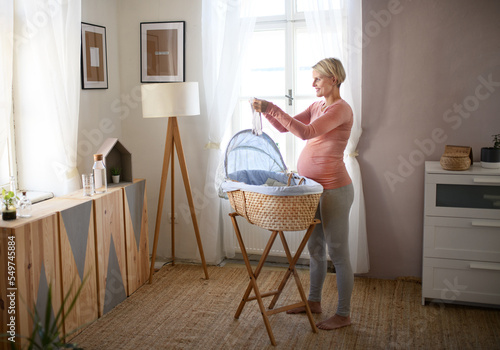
(8, 205)
(115, 174)
(490, 156)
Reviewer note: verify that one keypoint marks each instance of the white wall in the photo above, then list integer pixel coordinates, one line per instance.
(121, 108)
(145, 138)
(97, 119)
(420, 65)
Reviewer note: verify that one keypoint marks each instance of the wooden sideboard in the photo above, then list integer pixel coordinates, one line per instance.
(102, 240)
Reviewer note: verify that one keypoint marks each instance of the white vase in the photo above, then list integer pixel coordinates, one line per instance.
(116, 178)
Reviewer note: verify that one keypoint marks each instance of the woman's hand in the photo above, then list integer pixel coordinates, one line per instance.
(259, 105)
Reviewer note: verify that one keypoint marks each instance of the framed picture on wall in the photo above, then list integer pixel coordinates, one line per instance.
(162, 52)
(94, 57)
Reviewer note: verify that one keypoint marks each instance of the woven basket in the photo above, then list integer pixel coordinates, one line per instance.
(276, 213)
(456, 158)
(455, 162)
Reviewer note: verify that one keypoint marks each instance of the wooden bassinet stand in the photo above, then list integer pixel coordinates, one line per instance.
(252, 285)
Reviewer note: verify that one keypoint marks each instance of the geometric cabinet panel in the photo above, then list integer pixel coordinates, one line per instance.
(136, 234)
(111, 256)
(37, 266)
(78, 253)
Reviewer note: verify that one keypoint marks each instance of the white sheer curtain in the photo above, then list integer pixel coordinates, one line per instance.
(6, 55)
(47, 93)
(333, 26)
(227, 28)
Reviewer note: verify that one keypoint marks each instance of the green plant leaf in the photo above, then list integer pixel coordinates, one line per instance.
(49, 332)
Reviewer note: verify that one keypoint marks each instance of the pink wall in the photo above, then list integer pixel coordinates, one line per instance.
(431, 77)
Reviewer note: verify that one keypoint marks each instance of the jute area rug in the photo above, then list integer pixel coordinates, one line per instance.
(182, 310)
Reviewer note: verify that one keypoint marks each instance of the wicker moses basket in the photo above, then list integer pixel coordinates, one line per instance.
(260, 190)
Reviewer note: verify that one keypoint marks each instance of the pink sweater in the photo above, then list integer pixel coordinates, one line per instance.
(326, 132)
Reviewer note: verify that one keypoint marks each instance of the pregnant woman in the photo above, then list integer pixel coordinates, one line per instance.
(326, 125)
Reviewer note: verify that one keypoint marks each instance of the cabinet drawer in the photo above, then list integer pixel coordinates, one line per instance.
(462, 196)
(462, 238)
(461, 280)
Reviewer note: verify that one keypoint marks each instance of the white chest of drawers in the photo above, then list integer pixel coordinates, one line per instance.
(461, 248)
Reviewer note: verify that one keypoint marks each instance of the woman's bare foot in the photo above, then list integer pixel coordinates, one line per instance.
(315, 307)
(334, 322)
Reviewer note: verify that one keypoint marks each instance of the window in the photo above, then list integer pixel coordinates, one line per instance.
(45, 95)
(278, 63)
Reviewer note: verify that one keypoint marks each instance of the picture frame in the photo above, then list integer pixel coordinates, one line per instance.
(94, 60)
(162, 52)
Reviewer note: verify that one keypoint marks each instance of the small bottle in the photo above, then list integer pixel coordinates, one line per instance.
(99, 170)
(24, 207)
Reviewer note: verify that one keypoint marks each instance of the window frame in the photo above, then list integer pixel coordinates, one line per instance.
(290, 22)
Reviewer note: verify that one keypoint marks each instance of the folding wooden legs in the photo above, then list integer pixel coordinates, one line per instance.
(254, 274)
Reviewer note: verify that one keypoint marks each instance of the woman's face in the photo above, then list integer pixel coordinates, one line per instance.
(322, 84)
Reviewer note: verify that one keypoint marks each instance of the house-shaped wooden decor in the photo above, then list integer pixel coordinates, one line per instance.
(116, 156)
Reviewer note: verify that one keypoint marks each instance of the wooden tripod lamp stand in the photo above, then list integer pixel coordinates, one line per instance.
(172, 100)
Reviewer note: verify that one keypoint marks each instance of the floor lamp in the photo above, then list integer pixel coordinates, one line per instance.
(172, 100)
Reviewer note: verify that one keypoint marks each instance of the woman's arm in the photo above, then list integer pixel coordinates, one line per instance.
(263, 106)
(303, 117)
(335, 116)
(275, 123)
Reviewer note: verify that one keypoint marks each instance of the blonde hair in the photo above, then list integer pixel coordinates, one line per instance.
(331, 68)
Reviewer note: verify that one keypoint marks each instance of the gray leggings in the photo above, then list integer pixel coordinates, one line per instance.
(333, 232)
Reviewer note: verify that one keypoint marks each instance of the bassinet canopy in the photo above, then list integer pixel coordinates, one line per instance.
(247, 151)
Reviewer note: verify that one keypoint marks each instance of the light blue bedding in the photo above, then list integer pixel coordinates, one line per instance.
(255, 181)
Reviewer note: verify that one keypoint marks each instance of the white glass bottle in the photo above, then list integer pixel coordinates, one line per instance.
(99, 170)
(24, 206)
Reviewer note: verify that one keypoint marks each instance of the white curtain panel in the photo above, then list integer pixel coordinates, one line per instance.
(47, 93)
(334, 27)
(6, 55)
(353, 54)
(226, 29)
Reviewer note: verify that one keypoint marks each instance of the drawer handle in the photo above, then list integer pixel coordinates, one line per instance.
(486, 223)
(485, 180)
(485, 266)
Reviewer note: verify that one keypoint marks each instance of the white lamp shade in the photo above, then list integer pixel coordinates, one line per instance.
(161, 100)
